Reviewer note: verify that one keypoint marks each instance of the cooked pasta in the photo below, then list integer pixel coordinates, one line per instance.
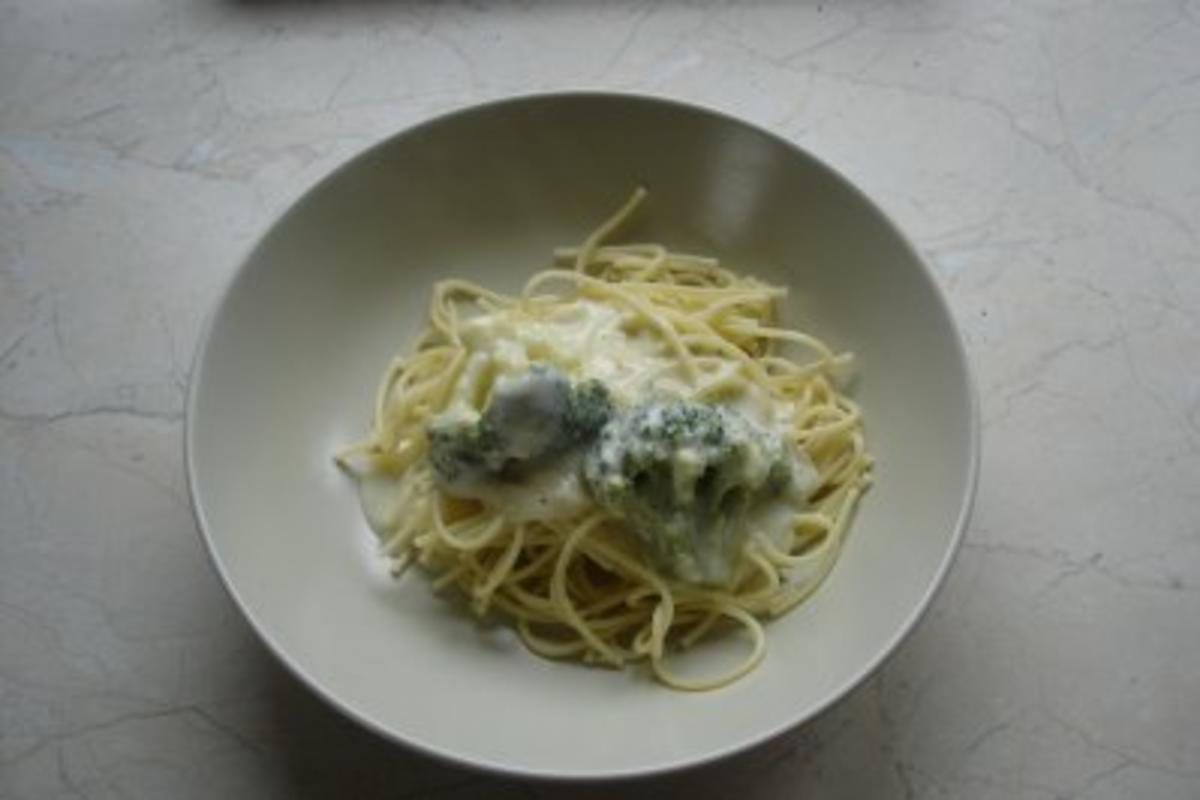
(624, 459)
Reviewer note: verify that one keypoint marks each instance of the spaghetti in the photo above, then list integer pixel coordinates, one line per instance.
(570, 576)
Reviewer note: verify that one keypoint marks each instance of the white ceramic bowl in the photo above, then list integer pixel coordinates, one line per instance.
(287, 370)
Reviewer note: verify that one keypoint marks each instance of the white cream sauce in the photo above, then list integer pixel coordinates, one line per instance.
(584, 339)
(556, 492)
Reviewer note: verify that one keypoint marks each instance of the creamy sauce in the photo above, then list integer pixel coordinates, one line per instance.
(584, 339)
(382, 503)
(774, 518)
(552, 493)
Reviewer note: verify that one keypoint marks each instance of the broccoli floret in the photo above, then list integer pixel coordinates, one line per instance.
(458, 449)
(684, 475)
(529, 419)
(589, 407)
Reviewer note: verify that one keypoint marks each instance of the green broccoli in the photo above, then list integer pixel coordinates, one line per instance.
(457, 449)
(589, 407)
(529, 419)
(684, 475)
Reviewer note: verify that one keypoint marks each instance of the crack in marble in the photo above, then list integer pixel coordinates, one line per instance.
(348, 75)
(1043, 361)
(1010, 399)
(1181, 18)
(230, 732)
(447, 41)
(1031, 375)
(1156, 397)
(65, 355)
(1050, 150)
(98, 114)
(176, 495)
(1192, 15)
(51, 634)
(810, 50)
(55, 198)
(59, 738)
(938, 783)
(1133, 759)
(98, 410)
(985, 735)
(635, 29)
(1068, 566)
(12, 347)
(1179, 222)
(1098, 778)
(64, 774)
(1075, 163)
(1165, 122)
(787, 60)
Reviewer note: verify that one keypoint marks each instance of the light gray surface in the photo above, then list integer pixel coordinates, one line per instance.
(1045, 155)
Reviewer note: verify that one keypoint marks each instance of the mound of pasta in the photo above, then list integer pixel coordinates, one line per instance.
(623, 460)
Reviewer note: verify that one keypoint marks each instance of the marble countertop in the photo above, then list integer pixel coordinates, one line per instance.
(1045, 154)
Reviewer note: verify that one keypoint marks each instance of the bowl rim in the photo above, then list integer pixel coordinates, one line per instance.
(363, 718)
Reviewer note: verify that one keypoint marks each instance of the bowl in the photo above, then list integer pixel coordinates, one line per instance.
(287, 370)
